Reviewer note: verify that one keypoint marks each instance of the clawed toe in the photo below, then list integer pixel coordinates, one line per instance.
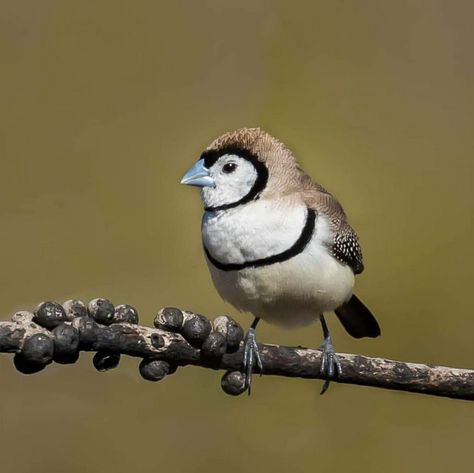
(251, 358)
(330, 364)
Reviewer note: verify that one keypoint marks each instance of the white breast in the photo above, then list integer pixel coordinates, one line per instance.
(257, 230)
(292, 293)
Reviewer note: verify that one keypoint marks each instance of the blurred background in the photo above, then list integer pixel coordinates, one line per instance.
(105, 104)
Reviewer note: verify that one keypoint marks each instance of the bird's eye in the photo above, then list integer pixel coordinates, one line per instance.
(229, 167)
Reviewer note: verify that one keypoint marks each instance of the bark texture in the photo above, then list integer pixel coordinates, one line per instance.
(56, 332)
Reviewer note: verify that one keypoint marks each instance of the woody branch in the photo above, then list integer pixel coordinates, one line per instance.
(59, 333)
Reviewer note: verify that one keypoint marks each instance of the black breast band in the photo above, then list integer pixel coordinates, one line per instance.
(298, 247)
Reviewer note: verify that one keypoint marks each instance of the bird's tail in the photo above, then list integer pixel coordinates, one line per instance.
(357, 319)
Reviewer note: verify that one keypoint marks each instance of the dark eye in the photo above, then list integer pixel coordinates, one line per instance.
(229, 167)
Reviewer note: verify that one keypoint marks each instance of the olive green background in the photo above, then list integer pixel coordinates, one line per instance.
(103, 107)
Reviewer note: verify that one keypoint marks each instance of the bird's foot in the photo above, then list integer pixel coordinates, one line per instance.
(251, 358)
(330, 364)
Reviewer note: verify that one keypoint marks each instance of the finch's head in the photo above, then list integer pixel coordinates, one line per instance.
(240, 166)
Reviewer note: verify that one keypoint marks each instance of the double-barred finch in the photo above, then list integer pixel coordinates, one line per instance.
(277, 244)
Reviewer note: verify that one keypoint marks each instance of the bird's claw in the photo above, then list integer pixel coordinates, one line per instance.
(251, 357)
(330, 364)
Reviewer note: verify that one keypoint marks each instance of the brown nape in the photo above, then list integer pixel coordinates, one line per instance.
(285, 174)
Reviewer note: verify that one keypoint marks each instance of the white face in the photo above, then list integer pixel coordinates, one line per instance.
(234, 177)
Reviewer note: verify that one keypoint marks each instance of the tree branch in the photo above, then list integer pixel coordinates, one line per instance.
(58, 333)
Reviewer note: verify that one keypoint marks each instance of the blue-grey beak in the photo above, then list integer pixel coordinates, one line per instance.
(198, 176)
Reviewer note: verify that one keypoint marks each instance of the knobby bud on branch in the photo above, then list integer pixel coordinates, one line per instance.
(58, 333)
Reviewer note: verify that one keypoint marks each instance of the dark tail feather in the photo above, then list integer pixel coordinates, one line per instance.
(357, 319)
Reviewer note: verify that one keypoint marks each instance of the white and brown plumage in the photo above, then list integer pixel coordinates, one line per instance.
(277, 244)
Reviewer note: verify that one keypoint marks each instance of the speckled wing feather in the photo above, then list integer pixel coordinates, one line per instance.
(345, 244)
(347, 250)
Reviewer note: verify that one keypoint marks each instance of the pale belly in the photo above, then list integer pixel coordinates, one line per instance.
(292, 293)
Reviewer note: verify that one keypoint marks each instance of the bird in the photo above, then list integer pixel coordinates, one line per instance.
(278, 245)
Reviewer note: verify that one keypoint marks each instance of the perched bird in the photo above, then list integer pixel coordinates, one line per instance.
(277, 244)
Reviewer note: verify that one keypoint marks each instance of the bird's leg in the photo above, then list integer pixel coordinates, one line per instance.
(251, 355)
(330, 365)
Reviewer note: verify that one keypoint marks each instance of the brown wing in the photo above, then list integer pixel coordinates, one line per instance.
(345, 244)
